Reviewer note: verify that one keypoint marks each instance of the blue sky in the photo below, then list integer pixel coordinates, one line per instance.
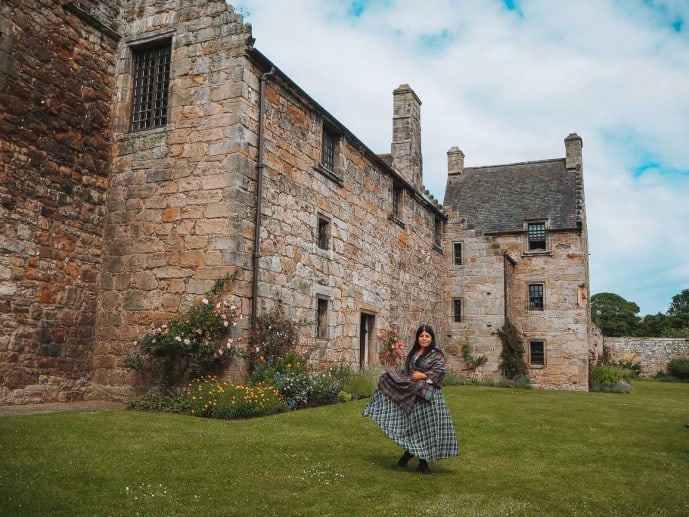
(507, 81)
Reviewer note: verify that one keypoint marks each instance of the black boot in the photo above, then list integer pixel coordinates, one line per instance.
(402, 462)
(423, 467)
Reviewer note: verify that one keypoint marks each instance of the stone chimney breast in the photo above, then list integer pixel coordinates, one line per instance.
(573, 147)
(406, 135)
(455, 160)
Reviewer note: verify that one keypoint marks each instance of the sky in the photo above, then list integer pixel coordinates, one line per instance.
(506, 81)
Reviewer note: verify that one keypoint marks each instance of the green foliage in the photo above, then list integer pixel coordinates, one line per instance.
(197, 343)
(679, 368)
(275, 336)
(614, 315)
(512, 354)
(606, 377)
(362, 384)
(162, 404)
(471, 361)
(211, 398)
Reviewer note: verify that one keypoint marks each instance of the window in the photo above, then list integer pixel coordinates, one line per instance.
(322, 318)
(536, 236)
(438, 231)
(537, 353)
(457, 253)
(328, 150)
(535, 297)
(457, 310)
(151, 85)
(323, 233)
(397, 200)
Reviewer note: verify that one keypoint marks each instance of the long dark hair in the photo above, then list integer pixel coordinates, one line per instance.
(415, 348)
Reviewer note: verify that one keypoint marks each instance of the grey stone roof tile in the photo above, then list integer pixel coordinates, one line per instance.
(499, 198)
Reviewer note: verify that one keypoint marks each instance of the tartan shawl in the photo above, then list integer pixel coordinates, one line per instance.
(398, 386)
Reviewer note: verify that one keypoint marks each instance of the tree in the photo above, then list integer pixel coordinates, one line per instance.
(513, 365)
(678, 313)
(655, 325)
(614, 315)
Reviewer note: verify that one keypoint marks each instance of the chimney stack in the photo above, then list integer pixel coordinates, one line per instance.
(406, 135)
(455, 160)
(573, 146)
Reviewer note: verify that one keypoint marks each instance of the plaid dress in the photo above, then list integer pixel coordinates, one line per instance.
(419, 423)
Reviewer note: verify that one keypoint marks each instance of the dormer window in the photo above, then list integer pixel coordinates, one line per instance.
(536, 236)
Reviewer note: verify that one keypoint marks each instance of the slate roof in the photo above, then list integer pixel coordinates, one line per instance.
(499, 198)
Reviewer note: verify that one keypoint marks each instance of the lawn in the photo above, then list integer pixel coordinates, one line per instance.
(524, 452)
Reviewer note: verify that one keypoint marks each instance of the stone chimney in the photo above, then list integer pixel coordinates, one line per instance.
(406, 135)
(573, 146)
(455, 160)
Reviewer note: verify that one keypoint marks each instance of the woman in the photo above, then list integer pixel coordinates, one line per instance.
(409, 406)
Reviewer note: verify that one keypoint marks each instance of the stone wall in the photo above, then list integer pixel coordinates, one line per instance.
(56, 85)
(374, 264)
(653, 354)
(180, 197)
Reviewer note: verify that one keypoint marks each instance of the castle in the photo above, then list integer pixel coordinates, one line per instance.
(148, 148)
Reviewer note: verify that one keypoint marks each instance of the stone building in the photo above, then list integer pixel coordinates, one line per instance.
(149, 149)
(518, 251)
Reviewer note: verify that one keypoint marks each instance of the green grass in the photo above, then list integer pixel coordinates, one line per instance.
(524, 452)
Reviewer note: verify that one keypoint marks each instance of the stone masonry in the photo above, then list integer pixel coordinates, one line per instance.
(107, 230)
(653, 354)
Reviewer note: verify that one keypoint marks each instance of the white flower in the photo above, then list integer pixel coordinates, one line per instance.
(178, 338)
(205, 301)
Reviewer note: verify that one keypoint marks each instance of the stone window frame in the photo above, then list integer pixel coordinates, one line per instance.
(397, 193)
(458, 259)
(160, 116)
(532, 299)
(457, 314)
(322, 313)
(331, 163)
(546, 240)
(323, 232)
(530, 358)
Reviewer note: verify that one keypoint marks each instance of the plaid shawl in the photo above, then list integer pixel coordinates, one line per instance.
(399, 387)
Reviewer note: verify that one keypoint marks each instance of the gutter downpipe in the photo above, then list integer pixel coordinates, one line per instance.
(259, 196)
(505, 281)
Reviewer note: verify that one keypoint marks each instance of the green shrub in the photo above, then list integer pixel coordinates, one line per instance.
(195, 344)
(162, 404)
(362, 384)
(605, 377)
(211, 398)
(512, 354)
(275, 336)
(679, 368)
(271, 370)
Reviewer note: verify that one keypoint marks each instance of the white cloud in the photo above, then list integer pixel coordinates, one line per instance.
(508, 87)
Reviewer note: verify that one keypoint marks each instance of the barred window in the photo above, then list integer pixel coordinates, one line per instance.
(536, 235)
(457, 310)
(537, 353)
(328, 150)
(397, 192)
(457, 253)
(151, 86)
(536, 297)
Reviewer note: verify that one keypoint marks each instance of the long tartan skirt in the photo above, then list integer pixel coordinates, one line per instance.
(426, 431)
